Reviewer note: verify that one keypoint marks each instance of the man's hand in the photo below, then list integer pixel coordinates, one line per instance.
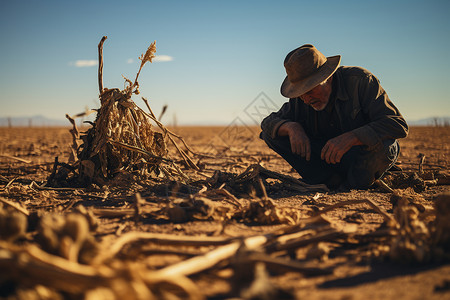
(335, 148)
(300, 144)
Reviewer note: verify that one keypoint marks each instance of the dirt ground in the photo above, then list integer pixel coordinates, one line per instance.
(353, 261)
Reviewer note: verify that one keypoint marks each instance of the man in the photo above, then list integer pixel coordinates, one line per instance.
(339, 126)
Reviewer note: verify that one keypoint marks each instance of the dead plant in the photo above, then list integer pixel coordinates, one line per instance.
(121, 139)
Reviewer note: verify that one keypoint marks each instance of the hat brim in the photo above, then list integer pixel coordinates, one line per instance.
(296, 89)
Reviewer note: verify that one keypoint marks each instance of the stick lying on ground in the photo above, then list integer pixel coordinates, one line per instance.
(16, 206)
(290, 182)
(15, 158)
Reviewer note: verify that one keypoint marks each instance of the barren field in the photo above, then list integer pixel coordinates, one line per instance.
(241, 227)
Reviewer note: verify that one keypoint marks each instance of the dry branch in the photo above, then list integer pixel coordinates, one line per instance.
(33, 266)
(290, 182)
(9, 183)
(234, 201)
(378, 209)
(285, 265)
(384, 186)
(16, 206)
(100, 64)
(53, 271)
(287, 243)
(421, 162)
(34, 185)
(15, 158)
(203, 262)
(114, 212)
(133, 237)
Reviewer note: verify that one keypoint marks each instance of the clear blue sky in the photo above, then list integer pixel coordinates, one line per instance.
(216, 56)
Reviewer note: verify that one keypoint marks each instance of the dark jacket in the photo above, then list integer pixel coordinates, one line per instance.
(361, 105)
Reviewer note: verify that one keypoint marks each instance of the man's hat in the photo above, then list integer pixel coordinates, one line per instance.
(306, 67)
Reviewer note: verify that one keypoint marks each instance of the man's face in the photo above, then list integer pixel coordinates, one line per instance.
(318, 97)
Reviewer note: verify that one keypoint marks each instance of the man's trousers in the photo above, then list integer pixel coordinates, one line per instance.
(358, 168)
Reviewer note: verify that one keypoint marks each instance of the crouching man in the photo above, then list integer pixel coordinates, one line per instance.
(339, 127)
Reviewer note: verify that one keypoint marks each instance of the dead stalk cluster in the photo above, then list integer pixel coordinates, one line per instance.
(121, 140)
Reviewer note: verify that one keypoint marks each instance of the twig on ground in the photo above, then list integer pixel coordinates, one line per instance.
(117, 212)
(15, 158)
(38, 266)
(378, 209)
(285, 265)
(137, 207)
(384, 186)
(421, 162)
(287, 243)
(35, 266)
(9, 183)
(133, 237)
(16, 206)
(203, 262)
(255, 170)
(263, 188)
(46, 188)
(234, 201)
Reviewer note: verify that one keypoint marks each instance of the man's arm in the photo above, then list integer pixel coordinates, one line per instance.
(282, 123)
(335, 148)
(273, 122)
(299, 140)
(386, 121)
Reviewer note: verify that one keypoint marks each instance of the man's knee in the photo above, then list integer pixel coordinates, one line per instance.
(371, 165)
(264, 136)
(279, 144)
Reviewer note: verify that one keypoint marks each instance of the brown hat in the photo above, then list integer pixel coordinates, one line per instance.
(306, 67)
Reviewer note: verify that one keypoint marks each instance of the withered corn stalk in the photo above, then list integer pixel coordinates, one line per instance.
(122, 138)
(30, 265)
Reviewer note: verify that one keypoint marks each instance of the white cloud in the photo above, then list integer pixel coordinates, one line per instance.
(130, 61)
(84, 63)
(162, 58)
